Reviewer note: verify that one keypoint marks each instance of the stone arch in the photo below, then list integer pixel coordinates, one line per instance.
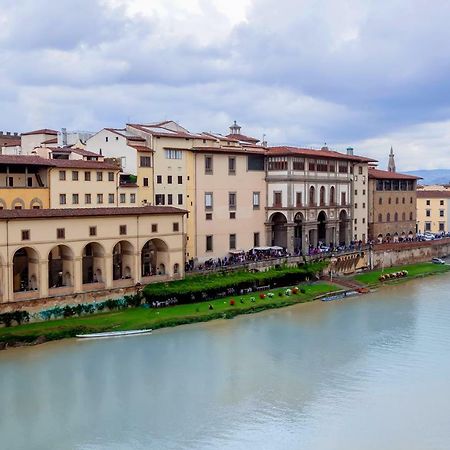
(298, 231)
(93, 263)
(322, 196)
(312, 196)
(176, 269)
(322, 221)
(36, 203)
(343, 227)
(25, 269)
(123, 260)
(380, 238)
(17, 203)
(279, 229)
(60, 266)
(155, 258)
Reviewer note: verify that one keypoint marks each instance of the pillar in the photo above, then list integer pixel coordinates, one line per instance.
(137, 275)
(268, 234)
(43, 278)
(290, 232)
(108, 272)
(77, 274)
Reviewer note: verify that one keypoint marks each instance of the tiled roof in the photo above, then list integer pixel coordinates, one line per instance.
(243, 137)
(322, 153)
(378, 174)
(11, 142)
(27, 160)
(50, 141)
(83, 152)
(87, 212)
(162, 132)
(43, 131)
(141, 148)
(82, 164)
(231, 150)
(433, 194)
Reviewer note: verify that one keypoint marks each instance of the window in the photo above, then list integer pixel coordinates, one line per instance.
(277, 163)
(322, 165)
(343, 198)
(428, 202)
(256, 200)
(388, 217)
(356, 221)
(169, 199)
(410, 216)
(427, 226)
(364, 205)
(232, 215)
(231, 165)
(110, 198)
(176, 226)
(62, 199)
(396, 200)
(60, 233)
(209, 243)
(332, 196)
(145, 181)
(122, 229)
(123, 198)
(356, 205)
(87, 199)
(380, 218)
(62, 175)
(87, 176)
(322, 196)
(380, 201)
(428, 212)
(74, 175)
(30, 182)
(92, 231)
(277, 199)
(298, 199)
(232, 241)
(154, 227)
(403, 200)
(312, 166)
(255, 163)
(208, 216)
(160, 199)
(356, 191)
(255, 239)
(396, 217)
(180, 199)
(298, 164)
(25, 235)
(99, 176)
(145, 161)
(132, 198)
(343, 167)
(110, 176)
(232, 200)
(208, 165)
(441, 226)
(403, 216)
(360, 170)
(10, 181)
(180, 179)
(173, 154)
(159, 179)
(75, 199)
(169, 179)
(441, 202)
(389, 200)
(99, 198)
(106, 139)
(208, 200)
(441, 213)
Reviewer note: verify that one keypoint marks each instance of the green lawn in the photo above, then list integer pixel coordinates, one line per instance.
(414, 270)
(139, 318)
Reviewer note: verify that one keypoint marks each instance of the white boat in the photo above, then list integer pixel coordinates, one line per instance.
(108, 334)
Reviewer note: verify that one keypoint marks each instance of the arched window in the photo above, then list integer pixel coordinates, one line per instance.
(403, 217)
(411, 216)
(322, 196)
(312, 196)
(380, 201)
(332, 196)
(380, 218)
(388, 217)
(396, 217)
(390, 200)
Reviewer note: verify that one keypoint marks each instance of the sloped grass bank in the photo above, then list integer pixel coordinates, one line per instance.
(139, 318)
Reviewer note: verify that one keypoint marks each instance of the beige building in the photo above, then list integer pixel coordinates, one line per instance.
(310, 197)
(433, 209)
(62, 252)
(360, 202)
(392, 205)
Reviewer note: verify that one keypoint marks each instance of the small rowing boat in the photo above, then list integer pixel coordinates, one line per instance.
(108, 334)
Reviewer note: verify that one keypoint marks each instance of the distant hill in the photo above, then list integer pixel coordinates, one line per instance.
(436, 176)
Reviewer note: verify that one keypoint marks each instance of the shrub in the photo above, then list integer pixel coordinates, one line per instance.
(262, 296)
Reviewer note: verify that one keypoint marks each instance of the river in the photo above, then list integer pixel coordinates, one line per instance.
(371, 372)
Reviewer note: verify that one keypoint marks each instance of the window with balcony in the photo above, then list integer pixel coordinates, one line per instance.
(173, 154)
(298, 163)
(277, 163)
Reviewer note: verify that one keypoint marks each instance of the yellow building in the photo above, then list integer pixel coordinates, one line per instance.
(433, 209)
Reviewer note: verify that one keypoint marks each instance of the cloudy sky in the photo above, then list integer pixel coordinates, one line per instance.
(361, 73)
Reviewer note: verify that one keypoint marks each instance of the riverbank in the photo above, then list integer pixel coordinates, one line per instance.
(155, 318)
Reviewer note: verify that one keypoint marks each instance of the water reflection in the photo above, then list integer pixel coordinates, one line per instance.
(322, 376)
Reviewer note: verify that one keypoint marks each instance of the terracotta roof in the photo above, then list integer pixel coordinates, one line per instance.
(82, 164)
(43, 131)
(128, 185)
(243, 137)
(12, 142)
(30, 160)
(378, 174)
(83, 152)
(322, 153)
(231, 150)
(433, 194)
(141, 148)
(87, 212)
(168, 133)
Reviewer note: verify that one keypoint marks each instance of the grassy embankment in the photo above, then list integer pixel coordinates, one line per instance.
(417, 270)
(140, 318)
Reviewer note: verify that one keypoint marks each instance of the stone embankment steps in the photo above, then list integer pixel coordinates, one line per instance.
(344, 282)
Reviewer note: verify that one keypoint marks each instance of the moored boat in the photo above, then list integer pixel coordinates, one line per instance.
(108, 334)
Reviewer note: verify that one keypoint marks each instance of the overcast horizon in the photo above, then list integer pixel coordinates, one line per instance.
(364, 74)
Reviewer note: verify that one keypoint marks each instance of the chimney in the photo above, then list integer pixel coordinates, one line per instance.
(350, 151)
(64, 136)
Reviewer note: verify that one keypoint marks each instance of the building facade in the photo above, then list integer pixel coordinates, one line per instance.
(60, 252)
(310, 197)
(433, 209)
(392, 205)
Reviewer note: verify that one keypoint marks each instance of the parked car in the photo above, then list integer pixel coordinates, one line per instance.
(437, 261)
